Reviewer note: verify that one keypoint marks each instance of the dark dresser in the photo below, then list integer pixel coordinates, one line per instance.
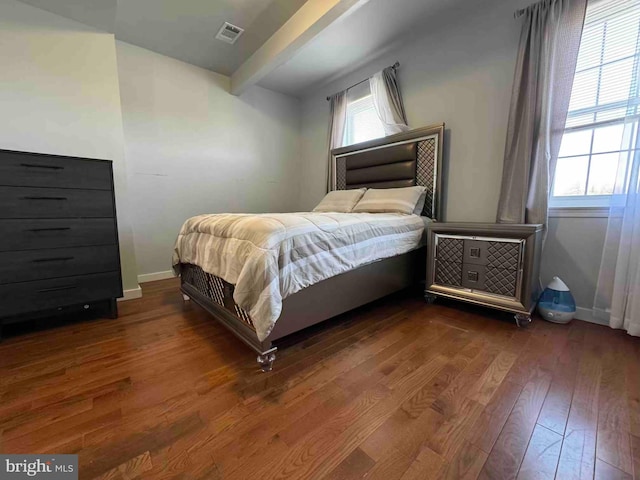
(494, 265)
(58, 236)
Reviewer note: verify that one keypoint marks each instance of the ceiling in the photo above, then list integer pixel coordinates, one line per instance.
(100, 14)
(368, 32)
(185, 30)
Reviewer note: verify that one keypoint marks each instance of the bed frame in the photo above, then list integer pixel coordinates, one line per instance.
(401, 160)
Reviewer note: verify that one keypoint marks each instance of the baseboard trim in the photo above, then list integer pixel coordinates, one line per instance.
(586, 314)
(152, 277)
(131, 294)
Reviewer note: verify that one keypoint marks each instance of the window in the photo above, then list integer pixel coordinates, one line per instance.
(362, 120)
(602, 122)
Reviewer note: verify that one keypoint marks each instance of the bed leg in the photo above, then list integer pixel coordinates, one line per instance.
(266, 361)
(185, 298)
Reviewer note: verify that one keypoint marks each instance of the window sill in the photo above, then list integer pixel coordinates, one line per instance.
(579, 212)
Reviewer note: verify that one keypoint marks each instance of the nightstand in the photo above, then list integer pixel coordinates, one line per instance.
(488, 264)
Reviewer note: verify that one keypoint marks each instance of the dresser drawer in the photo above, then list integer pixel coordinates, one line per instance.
(25, 169)
(57, 262)
(37, 234)
(26, 297)
(27, 202)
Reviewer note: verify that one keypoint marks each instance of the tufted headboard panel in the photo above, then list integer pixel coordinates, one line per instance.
(402, 160)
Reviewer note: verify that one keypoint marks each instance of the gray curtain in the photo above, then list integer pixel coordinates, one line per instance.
(547, 55)
(337, 122)
(388, 101)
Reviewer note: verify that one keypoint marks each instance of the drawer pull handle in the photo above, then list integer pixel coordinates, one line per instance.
(57, 289)
(52, 229)
(474, 253)
(44, 198)
(54, 259)
(47, 167)
(472, 276)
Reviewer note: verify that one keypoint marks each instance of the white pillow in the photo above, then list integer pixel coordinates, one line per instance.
(341, 201)
(392, 200)
(420, 204)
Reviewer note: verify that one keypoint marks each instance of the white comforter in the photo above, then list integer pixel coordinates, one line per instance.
(271, 256)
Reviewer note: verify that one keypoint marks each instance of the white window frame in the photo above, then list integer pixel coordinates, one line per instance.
(598, 205)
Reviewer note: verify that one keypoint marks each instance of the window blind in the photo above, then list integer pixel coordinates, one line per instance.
(605, 88)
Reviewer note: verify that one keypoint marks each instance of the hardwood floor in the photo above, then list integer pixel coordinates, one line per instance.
(395, 390)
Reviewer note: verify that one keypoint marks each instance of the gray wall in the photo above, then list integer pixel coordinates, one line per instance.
(460, 71)
(193, 148)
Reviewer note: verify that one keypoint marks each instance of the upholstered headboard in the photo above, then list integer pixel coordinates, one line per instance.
(401, 160)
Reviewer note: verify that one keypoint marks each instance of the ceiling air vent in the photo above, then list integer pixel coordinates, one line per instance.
(229, 33)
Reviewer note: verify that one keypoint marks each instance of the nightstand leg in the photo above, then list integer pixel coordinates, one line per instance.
(522, 319)
(430, 298)
(113, 308)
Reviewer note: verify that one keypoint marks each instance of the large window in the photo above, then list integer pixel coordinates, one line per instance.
(602, 123)
(363, 122)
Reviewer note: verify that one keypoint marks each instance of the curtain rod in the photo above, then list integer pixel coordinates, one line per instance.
(394, 66)
(518, 13)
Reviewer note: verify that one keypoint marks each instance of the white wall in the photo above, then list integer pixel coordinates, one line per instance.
(193, 148)
(59, 94)
(460, 71)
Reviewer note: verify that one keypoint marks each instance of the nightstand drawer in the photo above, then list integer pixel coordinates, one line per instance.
(475, 252)
(497, 281)
(450, 249)
(500, 281)
(473, 276)
(28, 202)
(30, 265)
(449, 273)
(493, 253)
(504, 255)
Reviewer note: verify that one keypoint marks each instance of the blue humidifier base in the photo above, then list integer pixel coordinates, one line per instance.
(552, 314)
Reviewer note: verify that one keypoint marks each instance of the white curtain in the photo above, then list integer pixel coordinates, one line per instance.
(388, 101)
(618, 290)
(337, 122)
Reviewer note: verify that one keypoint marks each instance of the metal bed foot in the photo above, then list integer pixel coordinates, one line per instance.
(522, 319)
(186, 298)
(266, 361)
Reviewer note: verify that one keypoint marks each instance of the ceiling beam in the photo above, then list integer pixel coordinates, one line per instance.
(311, 19)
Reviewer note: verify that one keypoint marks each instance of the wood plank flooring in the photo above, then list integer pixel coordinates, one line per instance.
(394, 390)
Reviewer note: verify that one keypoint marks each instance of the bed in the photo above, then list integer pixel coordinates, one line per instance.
(406, 159)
